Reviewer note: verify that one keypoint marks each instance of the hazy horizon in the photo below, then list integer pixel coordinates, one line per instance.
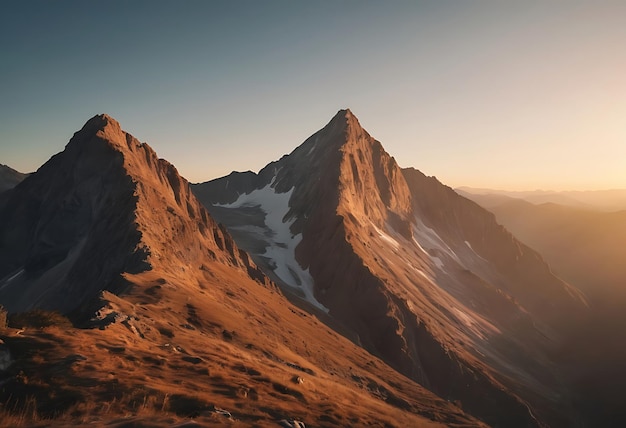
(479, 94)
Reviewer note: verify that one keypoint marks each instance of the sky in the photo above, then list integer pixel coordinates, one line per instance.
(509, 95)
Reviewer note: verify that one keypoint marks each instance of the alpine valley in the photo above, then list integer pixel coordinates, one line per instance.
(331, 288)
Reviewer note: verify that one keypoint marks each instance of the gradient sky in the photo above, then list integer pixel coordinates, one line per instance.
(521, 95)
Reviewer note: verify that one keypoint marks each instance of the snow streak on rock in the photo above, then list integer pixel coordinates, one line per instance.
(281, 243)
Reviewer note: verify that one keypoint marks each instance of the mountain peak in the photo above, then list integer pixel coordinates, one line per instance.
(102, 127)
(96, 205)
(100, 122)
(345, 116)
(344, 127)
(345, 112)
(350, 116)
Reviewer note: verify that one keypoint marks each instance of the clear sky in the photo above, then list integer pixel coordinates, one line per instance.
(514, 95)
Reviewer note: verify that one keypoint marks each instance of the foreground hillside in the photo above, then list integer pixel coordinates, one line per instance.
(129, 306)
(235, 355)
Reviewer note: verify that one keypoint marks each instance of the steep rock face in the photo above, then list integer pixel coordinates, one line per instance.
(313, 170)
(9, 178)
(103, 208)
(426, 279)
(518, 270)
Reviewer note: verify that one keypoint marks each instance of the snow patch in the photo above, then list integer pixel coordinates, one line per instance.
(250, 229)
(281, 244)
(474, 325)
(474, 251)
(8, 280)
(312, 149)
(467, 321)
(12, 277)
(432, 237)
(386, 237)
(437, 262)
(427, 239)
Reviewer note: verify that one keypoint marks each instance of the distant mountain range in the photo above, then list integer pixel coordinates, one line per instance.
(583, 246)
(580, 244)
(603, 200)
(332, 288)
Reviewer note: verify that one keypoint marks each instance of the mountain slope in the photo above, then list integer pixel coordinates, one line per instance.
(9, 178)
(584, 247)
(581, 245)
(177, 322)
(424, 278)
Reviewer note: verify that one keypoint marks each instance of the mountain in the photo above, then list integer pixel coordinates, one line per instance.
(170, 320)
(581, 245)
(9, 178)
(584, 246)
(78, 226)
(602, 200)
(418, 275)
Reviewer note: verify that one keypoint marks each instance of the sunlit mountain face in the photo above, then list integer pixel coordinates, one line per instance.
(331, 288)
(421, 276)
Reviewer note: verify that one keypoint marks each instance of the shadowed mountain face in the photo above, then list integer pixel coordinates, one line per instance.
(423, 277)
(9, 178)
(101, 209)
(188, 326)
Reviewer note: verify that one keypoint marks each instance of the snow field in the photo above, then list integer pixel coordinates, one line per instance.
(281, 244)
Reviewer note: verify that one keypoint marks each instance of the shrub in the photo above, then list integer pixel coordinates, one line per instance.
(3, 318)
(39, 318)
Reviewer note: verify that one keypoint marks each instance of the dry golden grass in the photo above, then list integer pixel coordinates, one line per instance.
(182, 352)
